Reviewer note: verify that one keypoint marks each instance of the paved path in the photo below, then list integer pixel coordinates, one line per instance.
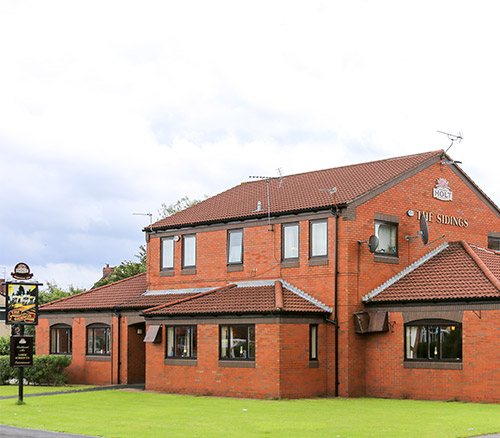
(21, 432)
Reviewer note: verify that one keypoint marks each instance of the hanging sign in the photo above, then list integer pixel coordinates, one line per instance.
(21, 351)
(21, 303)
(22, 272)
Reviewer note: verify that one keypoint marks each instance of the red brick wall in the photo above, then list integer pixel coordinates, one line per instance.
(386, 377)
(281, 366)
(91, 370)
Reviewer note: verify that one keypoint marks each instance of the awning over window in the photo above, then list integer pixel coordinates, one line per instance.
(153, 334)
(371, 322)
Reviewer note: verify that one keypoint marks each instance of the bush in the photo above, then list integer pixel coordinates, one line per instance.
(4, 346)
(46, 370)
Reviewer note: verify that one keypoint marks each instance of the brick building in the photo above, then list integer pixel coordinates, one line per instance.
(276, 288)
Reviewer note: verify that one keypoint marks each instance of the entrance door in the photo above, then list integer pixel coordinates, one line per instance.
(136, 353)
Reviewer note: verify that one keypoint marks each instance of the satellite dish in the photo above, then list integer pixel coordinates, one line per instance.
(424, 230)
(373, 243)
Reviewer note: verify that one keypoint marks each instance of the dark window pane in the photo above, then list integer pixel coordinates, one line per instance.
(451, 342)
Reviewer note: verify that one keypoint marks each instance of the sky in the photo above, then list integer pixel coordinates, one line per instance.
(109, 108)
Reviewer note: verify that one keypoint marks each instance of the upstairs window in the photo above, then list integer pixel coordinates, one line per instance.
(189, 251)
(61, 341)
(433, 340)
(387, 234)
(182, 342)
(494, 243)
(98, 339)
(235, 246)
(290, 241)
(167, 253)
(319, 238)
(237, 342)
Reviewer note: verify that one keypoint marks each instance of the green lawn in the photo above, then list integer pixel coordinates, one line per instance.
(8, 390)
(112, 413)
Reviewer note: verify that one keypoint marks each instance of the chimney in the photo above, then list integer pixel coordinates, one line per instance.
(107, 270)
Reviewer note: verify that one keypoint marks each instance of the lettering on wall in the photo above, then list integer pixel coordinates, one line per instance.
(442, 190)
(443, 219)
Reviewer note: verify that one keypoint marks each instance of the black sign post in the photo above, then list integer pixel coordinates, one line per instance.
(21, 309)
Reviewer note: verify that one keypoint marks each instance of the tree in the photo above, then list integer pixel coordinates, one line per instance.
(183, 203)
(54, 292)
(129, 268)
(126, 269)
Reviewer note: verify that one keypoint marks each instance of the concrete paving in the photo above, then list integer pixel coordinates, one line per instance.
(22, 432)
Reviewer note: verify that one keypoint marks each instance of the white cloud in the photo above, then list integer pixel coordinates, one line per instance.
(113, 108)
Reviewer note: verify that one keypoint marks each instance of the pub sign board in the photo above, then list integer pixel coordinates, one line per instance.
(21, 351)
(21, 303)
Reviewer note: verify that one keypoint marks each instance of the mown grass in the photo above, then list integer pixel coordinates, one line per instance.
(114, 413)
(11, 390)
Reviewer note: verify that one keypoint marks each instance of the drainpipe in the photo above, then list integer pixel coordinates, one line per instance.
(118, 348)
(335, 315)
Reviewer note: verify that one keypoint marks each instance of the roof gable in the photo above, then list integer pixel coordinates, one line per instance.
(301, 192)
(453, 271)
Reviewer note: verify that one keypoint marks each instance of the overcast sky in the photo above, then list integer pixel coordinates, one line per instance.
(113, 107)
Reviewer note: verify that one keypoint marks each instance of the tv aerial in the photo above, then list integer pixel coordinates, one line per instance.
(454, 138)
(372, 242)
(423, 233)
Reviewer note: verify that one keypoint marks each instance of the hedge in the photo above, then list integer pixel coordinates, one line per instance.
(46, 370)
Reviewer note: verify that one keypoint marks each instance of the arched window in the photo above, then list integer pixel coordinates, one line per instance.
(98, 339)
(61, 339)
(433, 340)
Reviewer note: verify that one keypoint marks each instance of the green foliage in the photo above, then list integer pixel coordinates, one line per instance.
(183, 203)
(4, 346)
(52, 292)
(126, 269)
(46, 370)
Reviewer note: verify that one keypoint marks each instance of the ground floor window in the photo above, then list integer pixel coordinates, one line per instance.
(313, 342)
(433, 340)
(98, 339)
(61, 341)
(237, 342)
(181, 342)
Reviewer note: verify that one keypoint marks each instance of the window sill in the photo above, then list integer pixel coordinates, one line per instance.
(61, 354)
(318, 262)
(182, 362)
(429, 365)
(237, 363)
(96, 358)
(290, 264)
(188, 271)
(167, 273)
(313, 364)
(386, 259)
(234, 268)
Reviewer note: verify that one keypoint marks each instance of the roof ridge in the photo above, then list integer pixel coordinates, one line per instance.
(182, 300)
(436, 152)
(405, 272)
(46, 305)
(486, 271)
